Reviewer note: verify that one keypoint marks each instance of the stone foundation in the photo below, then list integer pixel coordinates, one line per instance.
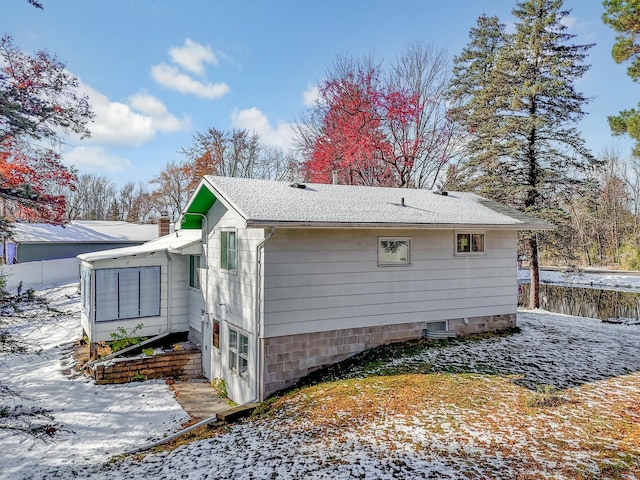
(491, 323)
(289, 358)
(175, 364)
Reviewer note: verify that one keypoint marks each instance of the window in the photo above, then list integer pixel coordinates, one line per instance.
(238, 352)
(194, 271)
(127, 293)
(469, 242)
(216, 334)
(394, 251)
(228, 250)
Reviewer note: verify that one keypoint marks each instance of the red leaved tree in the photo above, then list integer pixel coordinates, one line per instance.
(381, 128)
(38, 103)
(25, 183)
(352, 140)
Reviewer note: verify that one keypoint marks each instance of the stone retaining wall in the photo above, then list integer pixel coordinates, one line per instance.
(289, 358)
(180, 364)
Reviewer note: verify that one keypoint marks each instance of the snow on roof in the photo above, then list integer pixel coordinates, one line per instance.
(266, 202)
(83, 231)
(172, 242)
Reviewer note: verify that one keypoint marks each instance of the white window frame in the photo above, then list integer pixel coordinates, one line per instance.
(238, 349)
(225, 250)
(194, 271)
(470, 233)
(385, 262)
(126, 293)
(85, 286)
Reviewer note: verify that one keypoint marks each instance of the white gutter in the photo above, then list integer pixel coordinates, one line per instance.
(399, 226)
(258, 314)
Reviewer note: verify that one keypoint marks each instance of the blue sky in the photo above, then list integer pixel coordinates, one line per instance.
(159, 71)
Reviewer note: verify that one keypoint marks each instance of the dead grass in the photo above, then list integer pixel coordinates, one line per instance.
(480, 425)
(483, 422)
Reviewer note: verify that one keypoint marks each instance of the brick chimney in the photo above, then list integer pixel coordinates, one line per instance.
(163, 224)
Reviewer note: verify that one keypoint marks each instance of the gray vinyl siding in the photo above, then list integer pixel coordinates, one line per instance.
(317, 280)
(231, 294)
(196, 307)
(33, 252)
(179, 293)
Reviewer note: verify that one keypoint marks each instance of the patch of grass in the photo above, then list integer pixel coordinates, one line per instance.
(220, 386)
(377, 361)
(545, 396)
(617, 467)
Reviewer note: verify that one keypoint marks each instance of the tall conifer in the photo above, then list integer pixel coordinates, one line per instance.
(522, 113)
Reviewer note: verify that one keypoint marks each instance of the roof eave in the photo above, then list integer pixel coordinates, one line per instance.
(431, 226)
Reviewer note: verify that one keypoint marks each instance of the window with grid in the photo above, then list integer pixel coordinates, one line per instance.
(238, 351)
(228, 250)
(122, 293)
(470, 243)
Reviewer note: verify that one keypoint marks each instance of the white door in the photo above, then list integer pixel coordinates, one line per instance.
(207, 336)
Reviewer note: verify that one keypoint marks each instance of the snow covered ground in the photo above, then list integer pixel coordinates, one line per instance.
(601, 360)
(99, 421)
(610, 280)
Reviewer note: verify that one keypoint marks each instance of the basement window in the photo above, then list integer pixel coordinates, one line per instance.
(470, 243)
(394, 251)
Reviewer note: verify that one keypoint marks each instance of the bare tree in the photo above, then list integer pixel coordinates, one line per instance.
(432, 139)
(91, 199)
(137, 203)
(237, 153)
(171, 190)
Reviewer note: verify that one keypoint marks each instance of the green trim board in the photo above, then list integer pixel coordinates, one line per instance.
(202, 201)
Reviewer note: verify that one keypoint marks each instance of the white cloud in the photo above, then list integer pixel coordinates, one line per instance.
(192, 56)
(569, 21)
(311, 95)
(161, 119)
(130, 124)
(254, 120)
(96, 160)
(172, 78)
(148, 105)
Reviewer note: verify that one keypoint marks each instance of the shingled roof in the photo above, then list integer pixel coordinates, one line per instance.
(266, 203)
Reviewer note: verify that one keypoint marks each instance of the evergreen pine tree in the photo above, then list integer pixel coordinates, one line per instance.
(624, 17)
(525, 150)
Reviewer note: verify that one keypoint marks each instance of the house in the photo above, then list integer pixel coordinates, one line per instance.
(275, 280)
(31, 242)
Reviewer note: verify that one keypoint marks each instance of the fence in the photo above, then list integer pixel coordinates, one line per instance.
(34, 274)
